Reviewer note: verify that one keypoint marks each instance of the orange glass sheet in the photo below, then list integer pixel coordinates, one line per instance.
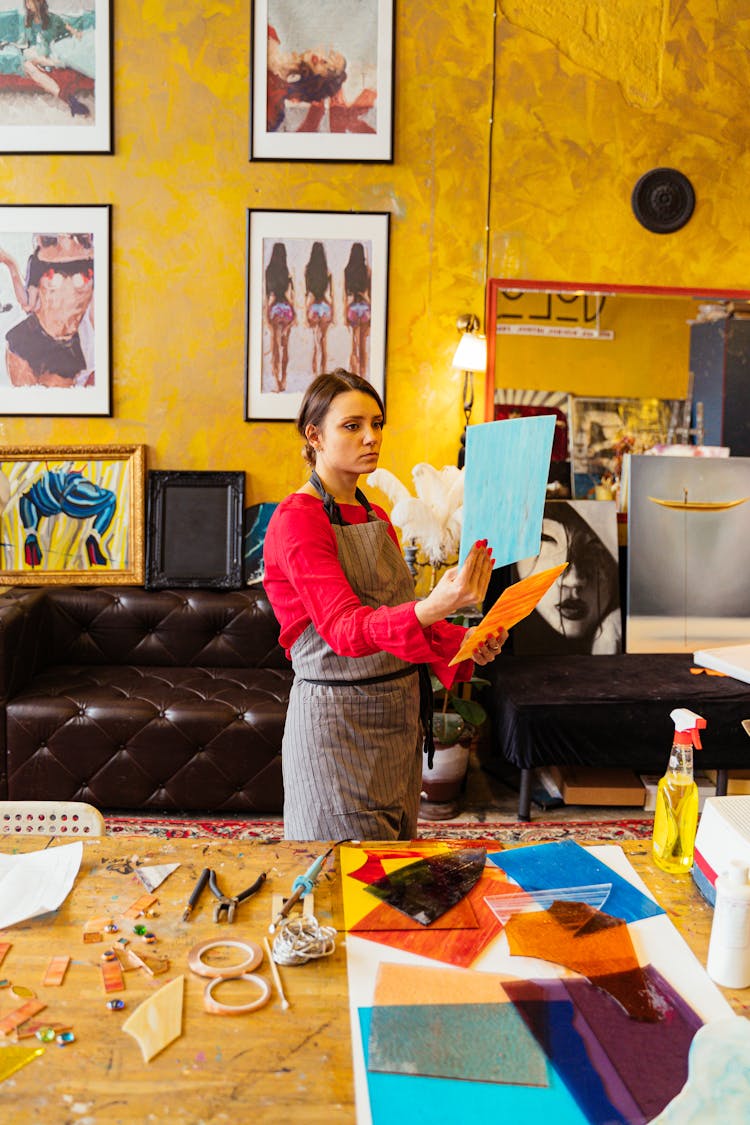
(423, 984)
(459, 947)
(55, 971)
(512, 606)
(590, 942)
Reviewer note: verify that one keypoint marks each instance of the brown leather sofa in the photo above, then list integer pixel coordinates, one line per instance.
(136, 699)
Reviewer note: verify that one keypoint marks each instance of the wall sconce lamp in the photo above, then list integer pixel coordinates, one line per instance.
(470, 356)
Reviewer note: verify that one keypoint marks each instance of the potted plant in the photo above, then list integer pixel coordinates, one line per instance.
(455, 721)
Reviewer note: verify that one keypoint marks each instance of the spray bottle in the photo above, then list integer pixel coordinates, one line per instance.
(676, 816)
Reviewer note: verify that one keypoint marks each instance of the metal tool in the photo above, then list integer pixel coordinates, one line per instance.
(196, 894)
(228, 903)
(303, 885)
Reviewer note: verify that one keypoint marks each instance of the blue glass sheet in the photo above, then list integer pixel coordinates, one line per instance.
(505, 484)
(448, 1101)
(567, 864)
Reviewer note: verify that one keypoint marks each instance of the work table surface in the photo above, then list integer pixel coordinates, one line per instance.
(271, 1065)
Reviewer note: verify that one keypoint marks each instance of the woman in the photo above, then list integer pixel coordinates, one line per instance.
(355, 634)
(580, 613)
(357, 289)
(279, 312)
(318, 304)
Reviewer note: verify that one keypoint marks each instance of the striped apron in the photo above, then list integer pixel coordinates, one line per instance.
(351, 755)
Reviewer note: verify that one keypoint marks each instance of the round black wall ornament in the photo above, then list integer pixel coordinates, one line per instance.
(663, 200)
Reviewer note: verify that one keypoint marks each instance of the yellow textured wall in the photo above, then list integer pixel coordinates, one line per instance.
(584, 105)
(590, 95)
(180, 184)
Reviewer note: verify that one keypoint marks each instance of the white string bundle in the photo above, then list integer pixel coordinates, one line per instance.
(303, 939)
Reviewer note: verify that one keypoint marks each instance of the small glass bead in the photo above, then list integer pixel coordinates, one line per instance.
(64, 1038)
(45, 1034)
(109, 955)
(123, 941)
(115, 1005)
(4, 983)
(149, 937)
(112, 928)
(140, 928)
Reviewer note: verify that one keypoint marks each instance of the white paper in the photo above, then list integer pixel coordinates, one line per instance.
(35, 883)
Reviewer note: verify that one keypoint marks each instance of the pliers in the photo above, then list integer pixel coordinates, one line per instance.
(228, 904)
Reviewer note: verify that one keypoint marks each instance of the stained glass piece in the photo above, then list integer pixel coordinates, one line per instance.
(427, 888)
(13, 1058)
(593, 944)
(474, 1042)
(427, 984)
(567, 864)
(444, 1101)
(459, 947)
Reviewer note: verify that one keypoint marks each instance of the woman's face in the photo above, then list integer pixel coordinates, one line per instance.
(574, 604)
(350, 436)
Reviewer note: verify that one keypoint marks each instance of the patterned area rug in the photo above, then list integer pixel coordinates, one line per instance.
(495, 830)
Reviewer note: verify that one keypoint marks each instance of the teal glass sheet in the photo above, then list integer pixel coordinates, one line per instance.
(505, 484)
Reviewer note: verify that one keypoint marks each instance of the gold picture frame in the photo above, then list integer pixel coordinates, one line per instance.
(72, 514)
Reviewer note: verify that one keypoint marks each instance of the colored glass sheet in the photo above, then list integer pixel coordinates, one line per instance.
(576, 1058)
(462, 916)
(427, 984)
(474, 1042)
(13, 1058)
(379, 861)
(512, 606)
(372, 869)
(157, 1022)
(454, 947)
(444, 1101)
(505, 485)
(18, 1016)
(637, 1050)
(567, 864)
(56, 969)
(427, 888)
(589, 942)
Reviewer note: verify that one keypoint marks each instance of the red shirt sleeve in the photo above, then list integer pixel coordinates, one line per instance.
(306, 585)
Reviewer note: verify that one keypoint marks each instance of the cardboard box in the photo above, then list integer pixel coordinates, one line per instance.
(592, 785)
(738, 782)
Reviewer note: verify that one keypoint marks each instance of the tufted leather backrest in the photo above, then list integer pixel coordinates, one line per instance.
(166, 628)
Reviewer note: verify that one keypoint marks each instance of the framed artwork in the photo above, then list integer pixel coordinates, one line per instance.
(580, 613)
(317, 295)
(56, 76)
(322, 86)
(72, 514)
(194, 529)
(55, 322)
(255, 526)
(603, 430)
(688, 530)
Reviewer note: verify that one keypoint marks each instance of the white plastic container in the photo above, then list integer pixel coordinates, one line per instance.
(729, 948)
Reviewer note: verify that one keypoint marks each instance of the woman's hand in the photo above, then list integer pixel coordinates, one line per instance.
(458, 587)
(488, 649)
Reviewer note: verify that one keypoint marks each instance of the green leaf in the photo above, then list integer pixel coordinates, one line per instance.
(470, 711)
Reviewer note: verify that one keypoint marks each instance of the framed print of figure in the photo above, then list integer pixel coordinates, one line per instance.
(55, 76)
(55, 311)
(322, 85)
(316, 300)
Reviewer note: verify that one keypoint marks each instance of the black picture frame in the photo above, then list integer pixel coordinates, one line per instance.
(194, 529)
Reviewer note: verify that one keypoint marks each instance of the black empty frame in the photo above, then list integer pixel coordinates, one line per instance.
(194, 529)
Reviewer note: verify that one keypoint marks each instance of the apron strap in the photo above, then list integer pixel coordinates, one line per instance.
(330, 506)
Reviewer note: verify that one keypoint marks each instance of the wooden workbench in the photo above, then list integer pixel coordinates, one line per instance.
(264, 1067)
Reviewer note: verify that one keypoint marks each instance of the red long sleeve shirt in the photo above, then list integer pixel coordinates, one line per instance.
(305, 583)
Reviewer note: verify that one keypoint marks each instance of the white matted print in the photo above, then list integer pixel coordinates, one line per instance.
(55, 310)
(55, 76)
(322, 80)
(317, 300)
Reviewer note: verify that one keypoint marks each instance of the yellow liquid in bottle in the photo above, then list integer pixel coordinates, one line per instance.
(675, 823)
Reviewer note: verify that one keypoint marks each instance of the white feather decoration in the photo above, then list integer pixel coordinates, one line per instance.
(434, 517)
